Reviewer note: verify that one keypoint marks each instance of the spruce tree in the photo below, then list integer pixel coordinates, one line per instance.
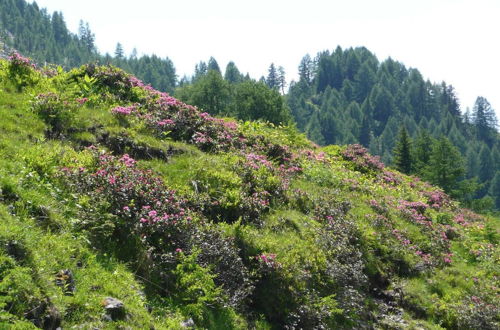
(272, 79)
(485, 121)
(119, 53)
(402, 152)
(213, 65)
(306, 69)
(281, 79)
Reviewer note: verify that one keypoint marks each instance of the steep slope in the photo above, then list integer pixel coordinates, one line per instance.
(112, 190)
(350, 96)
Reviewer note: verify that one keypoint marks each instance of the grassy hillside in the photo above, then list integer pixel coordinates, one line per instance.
(110, 189)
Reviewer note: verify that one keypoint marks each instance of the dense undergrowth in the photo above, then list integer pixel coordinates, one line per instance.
(109, 188)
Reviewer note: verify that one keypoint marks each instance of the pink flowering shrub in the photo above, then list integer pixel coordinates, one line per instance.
(22, 71)
(377, 207)
(363, 161)
(437, 198)
(390, 178)
(182, 122)
(124, 111)
(145, 207)
(17, 59)
(414, 211)
(128, 204)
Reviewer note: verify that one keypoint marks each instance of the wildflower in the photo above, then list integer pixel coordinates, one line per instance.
(123, 110)
(82, 100)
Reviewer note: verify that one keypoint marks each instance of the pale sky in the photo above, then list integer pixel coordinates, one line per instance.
(452, 40)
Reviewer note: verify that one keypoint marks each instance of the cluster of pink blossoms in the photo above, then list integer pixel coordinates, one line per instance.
(18, 59)
(123, 110)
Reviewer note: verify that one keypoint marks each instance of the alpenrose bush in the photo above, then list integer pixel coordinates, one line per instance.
(144, 210)
(147, 208)
(363, 161)
(168, 116)
(22, 70)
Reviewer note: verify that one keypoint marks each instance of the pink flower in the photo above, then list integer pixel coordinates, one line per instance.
(127, 160)
(82, 100)
(165, 122)
(123, 110)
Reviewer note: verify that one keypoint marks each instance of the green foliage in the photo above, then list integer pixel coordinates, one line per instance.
(445, 165)
(54, 111)
(254, 101)
(256, 228)
(403, 152)
(324, 101)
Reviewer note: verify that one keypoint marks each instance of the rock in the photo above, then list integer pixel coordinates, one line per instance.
(64, 279)
(189, 323)
(115, 308)
(45, 315)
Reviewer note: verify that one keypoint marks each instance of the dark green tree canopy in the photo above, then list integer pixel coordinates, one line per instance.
(403, 152)
(445, 165)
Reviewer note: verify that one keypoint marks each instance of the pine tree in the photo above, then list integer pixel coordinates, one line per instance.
(403, 153)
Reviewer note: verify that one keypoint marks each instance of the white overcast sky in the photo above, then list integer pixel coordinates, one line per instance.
(452, 40)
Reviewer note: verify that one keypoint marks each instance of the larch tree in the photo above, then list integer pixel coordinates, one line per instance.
(445, 165)
(403, 152)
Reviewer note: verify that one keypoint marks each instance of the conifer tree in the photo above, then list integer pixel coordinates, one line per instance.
(213, 65)
(306, 69)
(402, 152)
(485, 121)
(445, 165)
(232, 74)
(495, 189)
(421, 151)
(365, 132)
(272, 79)
(281, 79)
(119, 53)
